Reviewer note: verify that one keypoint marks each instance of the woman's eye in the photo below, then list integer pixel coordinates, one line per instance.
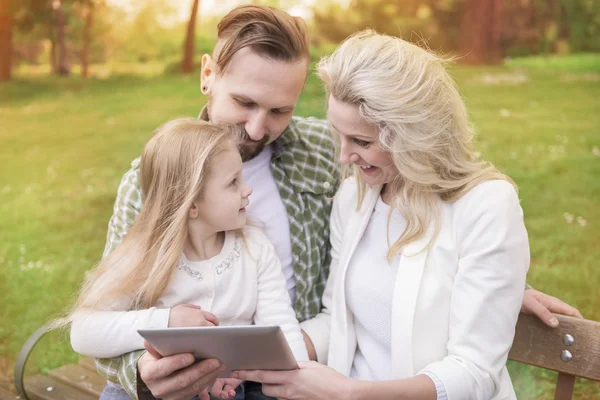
(361, 143)
(234, 182)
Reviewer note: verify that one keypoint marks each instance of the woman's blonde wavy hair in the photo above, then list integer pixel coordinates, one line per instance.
(175, 166)
(406, 92)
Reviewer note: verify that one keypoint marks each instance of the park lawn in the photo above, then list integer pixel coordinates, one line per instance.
(65, 143)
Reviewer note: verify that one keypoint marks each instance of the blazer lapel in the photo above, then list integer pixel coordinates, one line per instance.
(342, 352)
(406, 291)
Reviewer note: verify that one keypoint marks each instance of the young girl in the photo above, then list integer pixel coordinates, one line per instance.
(189, 258)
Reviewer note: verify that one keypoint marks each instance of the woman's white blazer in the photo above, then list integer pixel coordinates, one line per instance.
(455, 302)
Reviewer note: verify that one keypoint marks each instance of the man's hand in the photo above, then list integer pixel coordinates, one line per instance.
(542, 306)
(176, 377)
(191, 315)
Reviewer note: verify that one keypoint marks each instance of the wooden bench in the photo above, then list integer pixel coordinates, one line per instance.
(572, 349)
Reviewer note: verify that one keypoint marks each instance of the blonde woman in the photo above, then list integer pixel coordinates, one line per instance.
(188, 259)
(429, 247)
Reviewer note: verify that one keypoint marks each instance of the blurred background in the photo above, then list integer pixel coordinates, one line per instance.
(84, 82)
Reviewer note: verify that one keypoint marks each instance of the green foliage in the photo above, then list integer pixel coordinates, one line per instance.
(67, 142)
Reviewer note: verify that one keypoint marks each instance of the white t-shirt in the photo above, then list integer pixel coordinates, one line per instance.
(267, 211)
(370, 282)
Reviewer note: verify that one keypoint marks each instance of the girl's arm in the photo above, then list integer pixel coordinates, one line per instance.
(105, 334)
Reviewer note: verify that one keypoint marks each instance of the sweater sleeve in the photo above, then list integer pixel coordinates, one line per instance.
(105, 334)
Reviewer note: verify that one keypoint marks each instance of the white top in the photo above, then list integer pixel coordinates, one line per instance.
(456, 298)
(369, 292)
(251, 290)
(267, 211)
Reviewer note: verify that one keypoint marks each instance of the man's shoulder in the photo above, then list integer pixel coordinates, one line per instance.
(313, 152)
(313, 132)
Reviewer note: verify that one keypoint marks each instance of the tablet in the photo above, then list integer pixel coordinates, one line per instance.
(239, 347)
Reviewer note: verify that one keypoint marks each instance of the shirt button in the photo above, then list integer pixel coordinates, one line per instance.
(326, 185)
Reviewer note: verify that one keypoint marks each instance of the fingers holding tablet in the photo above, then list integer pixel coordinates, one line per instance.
(177, 377)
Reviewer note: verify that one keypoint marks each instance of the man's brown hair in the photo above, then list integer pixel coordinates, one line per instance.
(269, 32)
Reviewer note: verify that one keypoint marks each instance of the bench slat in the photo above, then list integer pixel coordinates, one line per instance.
(89, 364)
(36, 387)
(81, 378)
(539, 345)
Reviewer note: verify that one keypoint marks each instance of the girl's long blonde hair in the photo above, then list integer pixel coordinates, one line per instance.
(175, 165)
(406, 92)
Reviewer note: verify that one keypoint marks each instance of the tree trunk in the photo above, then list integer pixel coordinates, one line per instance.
(187, 64)
(53, 62)
(63, 61)
(87, 40)
(6, 24)
(481, 32)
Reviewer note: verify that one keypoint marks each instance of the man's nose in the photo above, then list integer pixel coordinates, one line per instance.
(256, 126)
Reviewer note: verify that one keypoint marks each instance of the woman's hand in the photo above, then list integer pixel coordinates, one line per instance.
(542, 306)
(311, 381)
(191, 315)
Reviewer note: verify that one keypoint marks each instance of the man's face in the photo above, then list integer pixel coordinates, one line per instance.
(255, 92)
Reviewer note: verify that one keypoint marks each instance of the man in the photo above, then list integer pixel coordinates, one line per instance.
(254, 78)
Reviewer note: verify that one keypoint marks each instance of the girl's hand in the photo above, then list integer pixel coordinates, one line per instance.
(224, 388)
(191, 315)
(311, 381)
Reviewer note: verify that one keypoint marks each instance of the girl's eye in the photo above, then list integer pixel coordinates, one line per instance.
(234, 182)
(361, 143)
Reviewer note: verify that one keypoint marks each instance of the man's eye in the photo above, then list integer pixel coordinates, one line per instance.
(244, 103)
(280, 112)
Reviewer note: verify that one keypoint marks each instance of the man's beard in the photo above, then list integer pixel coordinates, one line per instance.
(248, 148)
(251, 148)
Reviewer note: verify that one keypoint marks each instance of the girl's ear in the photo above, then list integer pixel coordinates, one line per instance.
(193, 213)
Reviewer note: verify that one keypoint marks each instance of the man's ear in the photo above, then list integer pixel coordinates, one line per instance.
(207, 73)
(193, 212)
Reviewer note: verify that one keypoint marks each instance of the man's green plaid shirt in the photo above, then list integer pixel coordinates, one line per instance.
(304, 168)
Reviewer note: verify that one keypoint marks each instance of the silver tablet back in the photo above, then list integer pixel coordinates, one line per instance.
(239, 347)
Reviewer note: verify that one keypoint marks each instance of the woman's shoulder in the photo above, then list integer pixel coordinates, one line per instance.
(496, 195)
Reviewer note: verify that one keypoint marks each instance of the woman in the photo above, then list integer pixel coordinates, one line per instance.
(429, 247)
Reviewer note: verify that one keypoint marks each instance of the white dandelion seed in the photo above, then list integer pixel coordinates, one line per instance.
(581, 221)
(504, 113)
(568, 217)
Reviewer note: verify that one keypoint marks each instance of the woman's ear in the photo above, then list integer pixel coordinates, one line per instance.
(193, 213)
(207, 73)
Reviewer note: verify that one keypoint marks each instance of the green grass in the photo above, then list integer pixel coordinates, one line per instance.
(65, 143)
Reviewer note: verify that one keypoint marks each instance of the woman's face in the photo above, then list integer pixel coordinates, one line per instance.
(360, 143)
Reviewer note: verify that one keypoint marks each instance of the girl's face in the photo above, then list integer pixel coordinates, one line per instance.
(360, 143)
(222, 206)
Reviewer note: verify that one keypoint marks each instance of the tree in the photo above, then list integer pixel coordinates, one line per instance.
(187, 64)
(481, 30)
(87, 38)
(63, 62)
(6, 26)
